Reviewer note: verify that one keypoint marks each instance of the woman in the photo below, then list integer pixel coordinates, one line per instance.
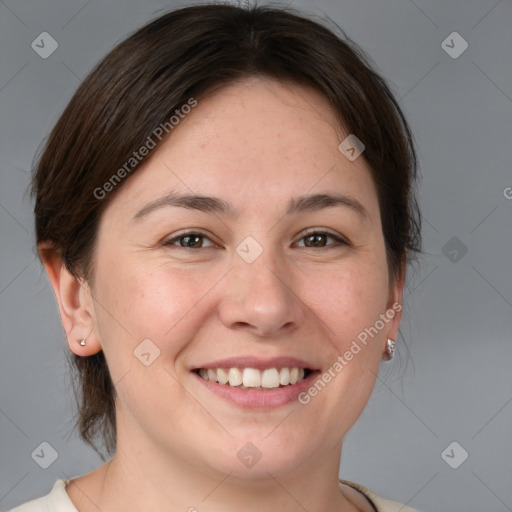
(225, 211)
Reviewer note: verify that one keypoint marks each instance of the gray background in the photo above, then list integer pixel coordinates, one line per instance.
(457, 385)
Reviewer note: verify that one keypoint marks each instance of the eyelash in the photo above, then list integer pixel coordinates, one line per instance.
(339, 241)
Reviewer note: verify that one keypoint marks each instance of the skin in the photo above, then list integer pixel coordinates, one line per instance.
(255, 144)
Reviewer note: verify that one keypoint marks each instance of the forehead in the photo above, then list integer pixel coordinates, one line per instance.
(256, 142)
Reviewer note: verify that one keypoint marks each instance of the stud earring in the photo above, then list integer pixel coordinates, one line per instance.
(390, 350)
(82, 342)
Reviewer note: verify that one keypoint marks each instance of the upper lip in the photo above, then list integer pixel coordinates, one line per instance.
(259, 364)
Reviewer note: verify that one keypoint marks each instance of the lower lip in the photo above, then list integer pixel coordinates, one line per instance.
(264, 400)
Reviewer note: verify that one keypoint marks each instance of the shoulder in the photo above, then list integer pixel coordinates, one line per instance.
(56, 501)
(380, 504)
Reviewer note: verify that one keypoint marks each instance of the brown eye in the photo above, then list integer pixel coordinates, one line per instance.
(316, 240)
(190, 240)
(194, 241)
(319, 239)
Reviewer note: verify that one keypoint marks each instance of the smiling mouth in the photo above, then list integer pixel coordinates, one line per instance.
(254, 379)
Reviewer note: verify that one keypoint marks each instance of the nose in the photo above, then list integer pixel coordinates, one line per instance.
(260, 297)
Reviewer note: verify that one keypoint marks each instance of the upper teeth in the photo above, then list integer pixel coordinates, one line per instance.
(252, 377)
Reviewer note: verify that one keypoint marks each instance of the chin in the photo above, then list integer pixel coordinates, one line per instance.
(260, 458)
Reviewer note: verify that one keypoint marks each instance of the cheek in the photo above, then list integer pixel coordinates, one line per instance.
(140, 302)
(149, 300)
(349, 300)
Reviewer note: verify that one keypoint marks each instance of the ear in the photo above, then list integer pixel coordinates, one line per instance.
(394, 305)
(75, 303)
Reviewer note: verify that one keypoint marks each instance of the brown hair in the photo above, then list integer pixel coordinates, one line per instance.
(188, 53)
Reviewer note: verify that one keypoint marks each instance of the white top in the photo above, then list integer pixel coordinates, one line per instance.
(58, 500)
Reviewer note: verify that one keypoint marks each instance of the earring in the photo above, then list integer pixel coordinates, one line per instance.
(82, 342)
(390, 350)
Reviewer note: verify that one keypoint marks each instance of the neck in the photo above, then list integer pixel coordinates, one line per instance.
(143, 477)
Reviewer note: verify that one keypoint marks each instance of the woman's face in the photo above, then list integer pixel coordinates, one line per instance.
(244, 280)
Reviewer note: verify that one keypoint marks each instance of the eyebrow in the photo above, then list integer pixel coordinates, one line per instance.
(208, 204)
